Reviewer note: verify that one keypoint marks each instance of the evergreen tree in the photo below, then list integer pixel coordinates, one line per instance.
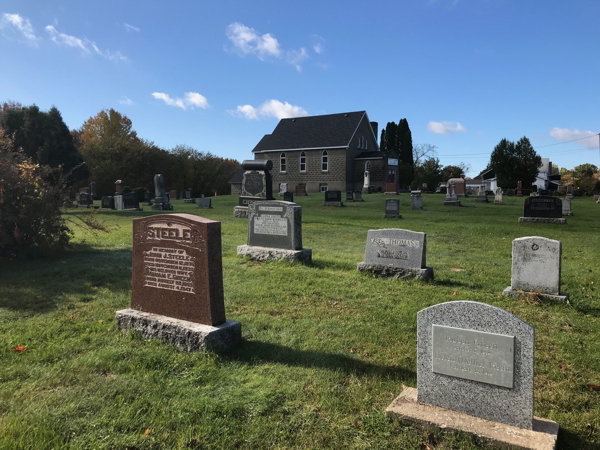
(405, 152)
(391, 137)
(382, 143)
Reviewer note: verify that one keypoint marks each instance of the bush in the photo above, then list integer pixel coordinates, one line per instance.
(126, 190)
(31, 223)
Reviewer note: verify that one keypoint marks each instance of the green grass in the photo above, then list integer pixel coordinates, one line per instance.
(325, 349)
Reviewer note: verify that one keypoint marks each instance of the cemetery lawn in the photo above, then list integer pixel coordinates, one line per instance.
(325, 349)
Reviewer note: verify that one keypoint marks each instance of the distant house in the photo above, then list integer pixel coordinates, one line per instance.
(545, 179)
(236, 182)
(329, 152)
(487, 177)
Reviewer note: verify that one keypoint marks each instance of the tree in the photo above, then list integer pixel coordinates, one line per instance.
(453, 172)
(391, 137)
(44, 138)
(405, 150)
(515, 162)
(382, 141)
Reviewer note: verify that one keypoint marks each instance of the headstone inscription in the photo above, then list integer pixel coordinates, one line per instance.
(481, 195)
(475, 373)
(451, 198)
(275, 232)
(349, 196)
(566, 207)
(396, 253)
(288, 197)
(333, 198)
(108, 202)
(177, 283)
(392, 209)
(543, 209)
(161, 201)
(536, 264)
(204, 203)
(257, 184)
(358, 196)
(131, 202)
(188, 196)
(119, 205)
(300, 190)
(416, 199)
(498, 200)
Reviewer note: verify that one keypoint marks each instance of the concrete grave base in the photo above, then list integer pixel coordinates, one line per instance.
(395, 273)
(452, 203)
(390, 193)
(543, 220)
(333, 204)
(189, 200)
(510, 292)
(392, 216)
(241, 212)
(406, 409)
(187, 336)
(265, 253)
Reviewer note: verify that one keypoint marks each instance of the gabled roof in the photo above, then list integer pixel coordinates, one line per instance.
(314, 132)
(370, 155)
(237, 177)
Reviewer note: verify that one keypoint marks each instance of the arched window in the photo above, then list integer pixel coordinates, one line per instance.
(282, 162)
(302, 162)
(368, 166)
(324, 161)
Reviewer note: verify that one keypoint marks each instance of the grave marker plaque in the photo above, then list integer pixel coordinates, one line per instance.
(275, 224)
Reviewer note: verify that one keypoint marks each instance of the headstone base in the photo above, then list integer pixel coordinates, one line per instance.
(241, 212)
(265, 253)
(392, 216)
(510, 292)
(187, 336)
(406, 408)
(390, 193)
(333, 204)
(189, 200)
(481, 199)
(452, 203)
(543, 219)
(162, 207)
(132, 209)
(395, 273)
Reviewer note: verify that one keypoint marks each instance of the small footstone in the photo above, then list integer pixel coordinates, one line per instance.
(266, 253)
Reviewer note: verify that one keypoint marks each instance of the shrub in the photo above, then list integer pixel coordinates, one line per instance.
(126, 190)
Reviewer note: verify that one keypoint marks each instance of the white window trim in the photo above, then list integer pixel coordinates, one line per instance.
(302, 155)
(282, 159)
(325, 153)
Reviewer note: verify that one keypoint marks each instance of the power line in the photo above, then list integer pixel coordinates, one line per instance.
(572, 140)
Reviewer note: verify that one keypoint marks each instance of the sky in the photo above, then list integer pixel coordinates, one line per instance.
(218, 75)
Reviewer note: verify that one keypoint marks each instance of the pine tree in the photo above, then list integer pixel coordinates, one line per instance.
(382, 144)
(391, 137)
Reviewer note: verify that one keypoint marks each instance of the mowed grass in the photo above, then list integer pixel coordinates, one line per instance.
(325, 349)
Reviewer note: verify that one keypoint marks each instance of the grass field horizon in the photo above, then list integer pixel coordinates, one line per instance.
(325, 349)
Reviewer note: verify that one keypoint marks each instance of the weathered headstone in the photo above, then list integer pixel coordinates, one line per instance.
(161, 201)
(481, 195)
(498, 200)
(177, 283)
(85, 199)
(283, 188)
(118, 187)
(416, 199)
(451, 198)
(188, 196)
(333, 198)
(396, 253)
(108, 202)
(543, 209)
(569, 191)
(367, 182)
(349, 196)
(172, 195)
(275, 232)
(392, 209)
(257, 185)
(519, 189)
(567, 207)
(288, 197)
(119, 205)
(358, 196)
(300, 190)
(475, 373)
(204, 203)
(536, 263)
(131, 202)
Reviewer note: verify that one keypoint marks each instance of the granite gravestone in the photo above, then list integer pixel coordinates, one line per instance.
(275, 232)
(358, 196)
(172, 195)
(569, 191)
(85, 199)
(177, 283)
(288, 197)
(118, 187)
(451, 198)
(131, 202)
(543, 209)
(481, 195)
(536, 264)
(257, 185)
(349, 196)
(392, 209)
(204, 203)
(396, 253)
(475, 373)
(119, 205)
(333, 198)
(283, 188)
(300, 190)
(416, 200)
(108, 202)
(566, 207)
(519, 189)
(188, 196)
(498, 200)
(161, 201)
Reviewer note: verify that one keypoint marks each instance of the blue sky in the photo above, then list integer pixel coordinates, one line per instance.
(218, 75)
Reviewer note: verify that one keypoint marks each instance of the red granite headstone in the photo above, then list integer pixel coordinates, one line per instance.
(177, 269)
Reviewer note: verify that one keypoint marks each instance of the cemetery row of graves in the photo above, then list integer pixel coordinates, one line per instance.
(397, 321)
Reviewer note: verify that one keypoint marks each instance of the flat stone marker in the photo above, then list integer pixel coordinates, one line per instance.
(333, 198)
(275, 232)
(177, 283)
(536, 265)
(416, 200)
(567, 207)
(204, 203)
(396, 253)
(543, 208)
(392, 209)
(475, 373)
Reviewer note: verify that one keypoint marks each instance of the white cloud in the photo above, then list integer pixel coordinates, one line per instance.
(125, 101)
(190, 100)
(83, 44)
(318, 48)
(248, 41)
(318, 44)
(446, 128)
(270, 108)
(297, 57)
(587, 139)
(21, 25)
(131, 27)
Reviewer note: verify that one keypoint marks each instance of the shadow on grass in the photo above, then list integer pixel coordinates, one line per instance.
(256, 353)
(328, 264)
(452, 283)
(568, 440)
(41, 285)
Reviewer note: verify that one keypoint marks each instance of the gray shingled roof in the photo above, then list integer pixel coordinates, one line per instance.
(332, 130)
(237, 177)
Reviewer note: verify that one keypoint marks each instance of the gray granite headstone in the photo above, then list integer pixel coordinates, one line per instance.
(349, 196)
(204, 203)
(396, 247)
(119, 204)
(275, 224)
(477, 359)
(161, 199)
(392, 208)
(536, 265)
(567, 207)
(416, 200)
(498, 200)
(358, 196)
